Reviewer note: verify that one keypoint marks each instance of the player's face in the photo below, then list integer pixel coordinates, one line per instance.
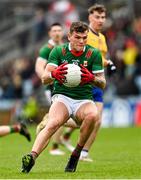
(78, 40)
(97, 20)
(56, 33)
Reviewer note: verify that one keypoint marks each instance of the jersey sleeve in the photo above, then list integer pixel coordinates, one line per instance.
(54, 58)
(44, 53)
(97, 66)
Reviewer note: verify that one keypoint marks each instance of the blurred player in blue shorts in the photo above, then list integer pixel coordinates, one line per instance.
(97, 17)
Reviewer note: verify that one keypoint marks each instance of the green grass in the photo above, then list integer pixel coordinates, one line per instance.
(116, 154)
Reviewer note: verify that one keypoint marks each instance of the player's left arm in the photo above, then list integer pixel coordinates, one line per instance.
(97, 76)
(98, 71)
(107, 62)
(99, 80)
(110, 65)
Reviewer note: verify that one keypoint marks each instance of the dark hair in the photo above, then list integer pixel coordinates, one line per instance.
(54, 24)
(97, 7)
(79, 27)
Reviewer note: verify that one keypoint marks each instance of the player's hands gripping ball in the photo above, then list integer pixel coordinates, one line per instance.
(59, 73)
(86, 76)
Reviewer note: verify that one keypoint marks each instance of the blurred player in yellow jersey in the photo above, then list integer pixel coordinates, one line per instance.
(97, 17)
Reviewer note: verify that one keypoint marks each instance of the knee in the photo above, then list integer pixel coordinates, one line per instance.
(52, 125)
(92, 117)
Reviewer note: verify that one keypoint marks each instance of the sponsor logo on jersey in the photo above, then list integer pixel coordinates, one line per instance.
(75, 61)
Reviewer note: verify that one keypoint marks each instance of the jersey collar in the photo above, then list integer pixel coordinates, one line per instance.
(97, 34)
(76, 53)
(50, 41)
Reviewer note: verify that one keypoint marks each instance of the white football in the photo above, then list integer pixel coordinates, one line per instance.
(73, 76)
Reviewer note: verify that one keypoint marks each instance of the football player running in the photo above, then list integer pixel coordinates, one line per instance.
(77, 101)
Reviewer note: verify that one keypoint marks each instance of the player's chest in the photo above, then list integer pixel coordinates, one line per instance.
(76, 60)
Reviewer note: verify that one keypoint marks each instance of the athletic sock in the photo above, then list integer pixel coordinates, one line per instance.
(84, 152)
(14, 128)
(77, 150)
(34, 154)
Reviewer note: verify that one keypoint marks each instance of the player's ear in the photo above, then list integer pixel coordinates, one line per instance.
(69, 35)
(90, 17)
(49, 33)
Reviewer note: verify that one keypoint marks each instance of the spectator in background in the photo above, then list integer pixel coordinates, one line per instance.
(40, 25)
(64, 10)
(129, 56)
(137, 73)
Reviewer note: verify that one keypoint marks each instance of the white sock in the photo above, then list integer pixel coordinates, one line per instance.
(84, 153)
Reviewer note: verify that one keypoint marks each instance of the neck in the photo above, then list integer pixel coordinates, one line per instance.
(74, 50)
(58, 42)
(95, 31)
(54, 43)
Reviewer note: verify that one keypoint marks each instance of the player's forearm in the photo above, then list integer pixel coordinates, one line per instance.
(40, 67)
(46, 77)
(99, 82)
(39, 72)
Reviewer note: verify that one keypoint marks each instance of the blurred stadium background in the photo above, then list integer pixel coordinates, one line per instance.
(23, 30)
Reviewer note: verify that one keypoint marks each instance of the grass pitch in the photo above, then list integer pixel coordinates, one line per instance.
(116, 154)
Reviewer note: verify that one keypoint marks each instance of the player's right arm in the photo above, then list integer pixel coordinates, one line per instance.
(41, 61)
(53, 69)
(40, 66)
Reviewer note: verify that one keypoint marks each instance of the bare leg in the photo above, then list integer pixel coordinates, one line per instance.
(88, 114)
(5, 130)
(58, 115)
(56, 141)
(17, 128)
(84, 154)
(94, 133)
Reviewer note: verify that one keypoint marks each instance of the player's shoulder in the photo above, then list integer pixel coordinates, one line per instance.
(91, 48)
(47, 46)
(62, 47)
(45, 49)
(102, 36)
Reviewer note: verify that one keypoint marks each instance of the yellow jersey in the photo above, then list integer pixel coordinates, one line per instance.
(98, 41)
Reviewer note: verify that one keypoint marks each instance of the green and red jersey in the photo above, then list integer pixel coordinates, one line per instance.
(90, 58)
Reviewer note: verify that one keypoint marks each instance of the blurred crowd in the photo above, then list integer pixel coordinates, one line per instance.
(18, 79)
(124, 41)
(123, 33)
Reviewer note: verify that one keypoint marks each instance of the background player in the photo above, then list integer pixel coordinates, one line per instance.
(56, 38)
(97, 17)
(17, 128)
